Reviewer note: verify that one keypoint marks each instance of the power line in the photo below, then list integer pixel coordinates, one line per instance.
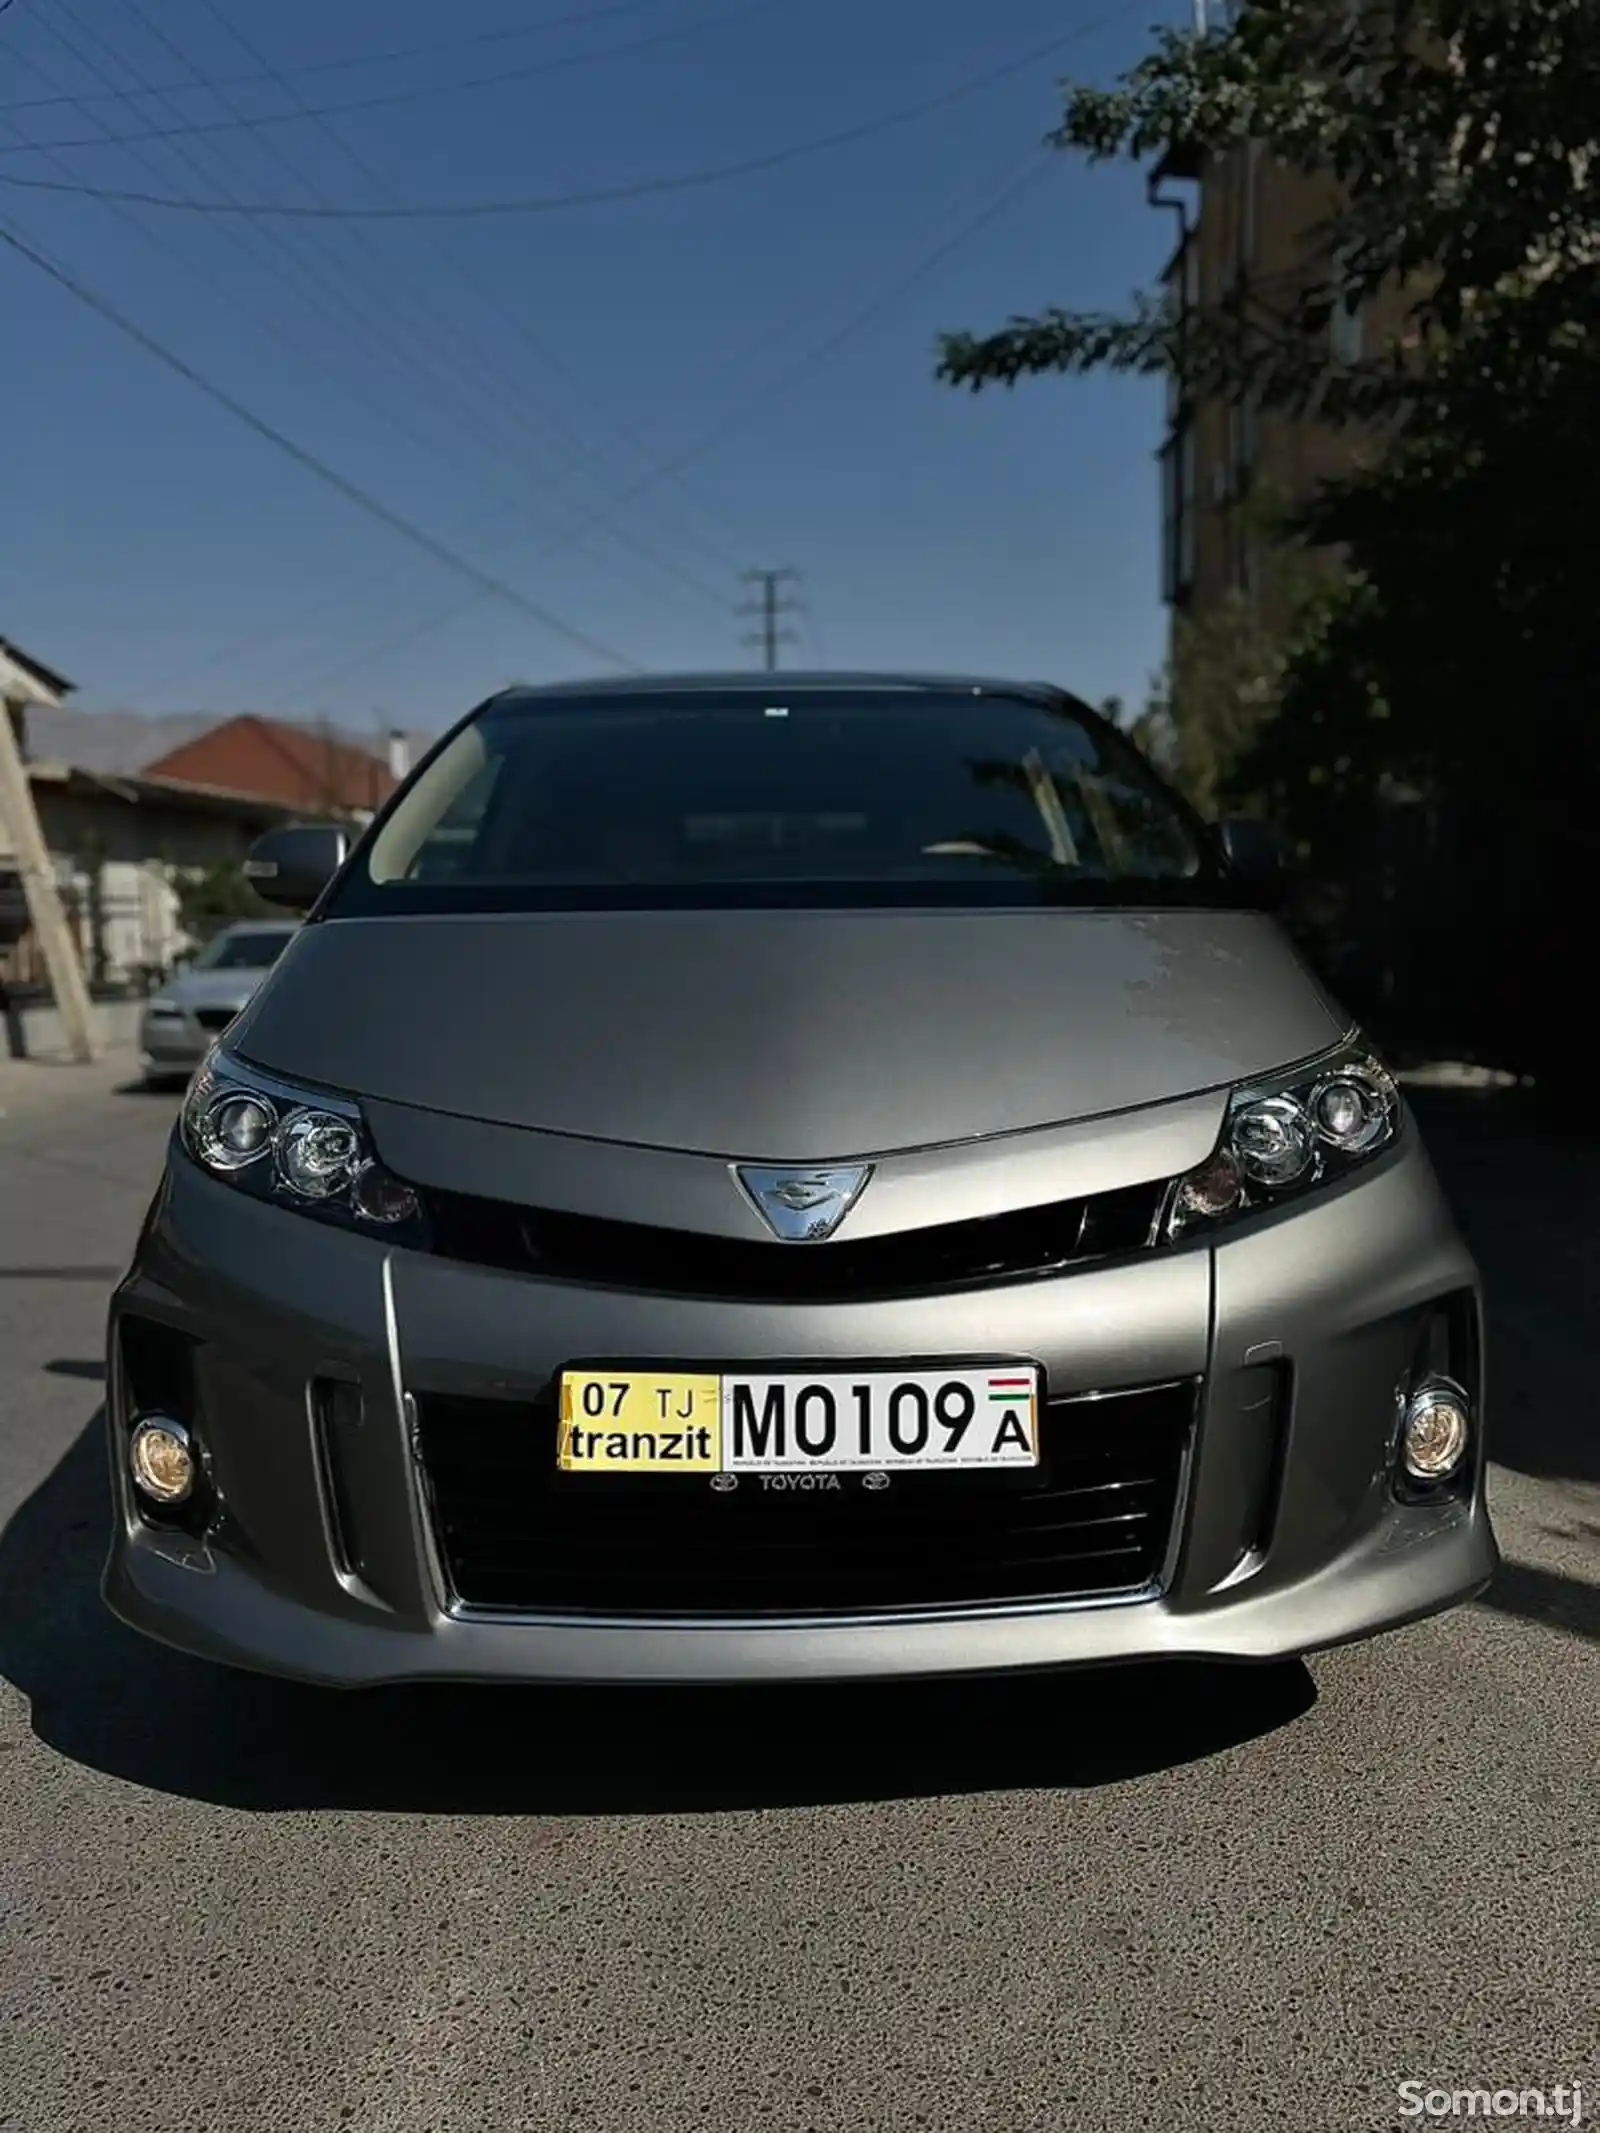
(928, 264)
(351, 491)
(425, 354)
(600, 196)
(389, 98)
(272, 326)
(514, 397)
(429, 50)
(429, 351)
(820, 353)
(770, 607)
(324, 677)
(1019, 181)
(270, 323)
(328, 294)
(487, 293)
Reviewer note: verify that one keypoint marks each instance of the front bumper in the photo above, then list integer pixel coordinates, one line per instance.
(1300, 1331)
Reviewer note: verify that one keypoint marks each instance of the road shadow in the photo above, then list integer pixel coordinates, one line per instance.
(119, 1704)
(1528, 1202)
(1549, 1597)
(169, 1089)
(88, 1368)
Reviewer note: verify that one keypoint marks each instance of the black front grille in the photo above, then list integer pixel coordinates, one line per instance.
(1094, 1518)
(950, 1255)
(215, 1017)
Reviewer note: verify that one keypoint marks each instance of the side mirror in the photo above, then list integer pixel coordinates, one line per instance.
(1260, 857)
(292, 866)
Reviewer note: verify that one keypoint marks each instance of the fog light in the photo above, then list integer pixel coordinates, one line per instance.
(1435, 1432)
(162, 1460)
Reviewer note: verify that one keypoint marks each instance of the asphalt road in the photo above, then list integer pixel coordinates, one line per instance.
(1196, 1900)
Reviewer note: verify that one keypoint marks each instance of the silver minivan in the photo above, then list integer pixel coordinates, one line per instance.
(789, 1178)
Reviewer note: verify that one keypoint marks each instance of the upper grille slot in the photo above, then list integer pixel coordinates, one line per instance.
(1017, 1246)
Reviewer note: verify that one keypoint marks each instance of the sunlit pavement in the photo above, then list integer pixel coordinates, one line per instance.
(1188, 1900)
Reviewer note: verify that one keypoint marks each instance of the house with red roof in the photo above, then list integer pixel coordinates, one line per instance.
(300, 767)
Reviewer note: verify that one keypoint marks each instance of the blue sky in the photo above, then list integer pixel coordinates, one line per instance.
(520, 386)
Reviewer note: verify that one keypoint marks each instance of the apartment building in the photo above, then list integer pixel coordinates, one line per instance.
(1245, 224)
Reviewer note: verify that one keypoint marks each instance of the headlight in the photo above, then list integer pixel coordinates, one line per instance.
(299, 1148)
(1288, 1134)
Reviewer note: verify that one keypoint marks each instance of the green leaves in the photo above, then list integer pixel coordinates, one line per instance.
(1074, 342)
(1463, 138)
(1423, 716)
(213, 897)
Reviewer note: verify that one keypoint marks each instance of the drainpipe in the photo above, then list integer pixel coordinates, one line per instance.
(1176, 205)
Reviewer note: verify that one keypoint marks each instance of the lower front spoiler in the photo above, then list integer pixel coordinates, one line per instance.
(1410, 1564)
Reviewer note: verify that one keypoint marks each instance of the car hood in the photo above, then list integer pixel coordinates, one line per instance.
(798, 1036)
(211, 988)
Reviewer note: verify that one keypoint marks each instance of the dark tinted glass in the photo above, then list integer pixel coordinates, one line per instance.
(899, 797)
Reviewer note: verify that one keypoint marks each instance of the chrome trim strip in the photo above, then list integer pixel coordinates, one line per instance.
(436, 1593)
(1187, 1461)
(984, 1611)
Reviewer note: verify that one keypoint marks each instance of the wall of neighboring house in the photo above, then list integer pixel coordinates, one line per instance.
(115, 861)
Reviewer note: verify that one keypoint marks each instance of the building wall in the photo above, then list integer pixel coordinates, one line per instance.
(74, 821)
(1258, 225)
(116, 861)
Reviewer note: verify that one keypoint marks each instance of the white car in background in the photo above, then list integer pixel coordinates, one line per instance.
(198, 1002)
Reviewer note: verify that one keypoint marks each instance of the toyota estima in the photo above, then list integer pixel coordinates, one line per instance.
(803, 1178)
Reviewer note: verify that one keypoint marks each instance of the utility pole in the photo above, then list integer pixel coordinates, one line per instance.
(770, 608)
(46, 912)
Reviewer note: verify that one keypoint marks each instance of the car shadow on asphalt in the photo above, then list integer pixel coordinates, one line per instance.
(117, 1703)
(1548, 1597)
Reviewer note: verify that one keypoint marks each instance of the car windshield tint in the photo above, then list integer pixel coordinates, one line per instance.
(728, 799)
(244, 951)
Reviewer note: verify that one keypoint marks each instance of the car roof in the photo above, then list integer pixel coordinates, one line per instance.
(788, 682)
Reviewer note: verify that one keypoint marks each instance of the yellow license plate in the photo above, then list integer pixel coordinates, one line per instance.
(862, 1421)
(639, 1422)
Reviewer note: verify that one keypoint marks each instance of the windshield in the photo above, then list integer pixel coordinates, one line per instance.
(898, 797)
(244, 951)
